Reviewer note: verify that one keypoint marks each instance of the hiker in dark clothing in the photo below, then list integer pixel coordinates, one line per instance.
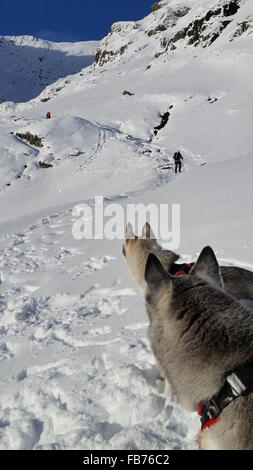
(48, 115)
(177, 158)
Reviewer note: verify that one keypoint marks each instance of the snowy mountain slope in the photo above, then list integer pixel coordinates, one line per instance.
(205, 86)
(84, 160)
(174, 25)
(76, 367)
(28, 64)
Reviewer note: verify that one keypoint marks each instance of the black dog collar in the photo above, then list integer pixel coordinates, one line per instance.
(238, 383)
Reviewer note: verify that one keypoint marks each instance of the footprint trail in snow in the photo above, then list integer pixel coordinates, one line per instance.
(82, 373)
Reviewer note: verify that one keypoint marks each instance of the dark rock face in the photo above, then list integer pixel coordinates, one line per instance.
(231, 8)
(196, 29)
(242, 28)
(128, 93)
(182, 11)
(30, 138)
(103, 56)
(164, 119)
(45, 165)
(156, 6)
(156, 30)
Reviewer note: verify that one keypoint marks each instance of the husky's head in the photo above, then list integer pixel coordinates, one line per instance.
(160, 282)
(137, 249)
(147, 241)
(206, 268)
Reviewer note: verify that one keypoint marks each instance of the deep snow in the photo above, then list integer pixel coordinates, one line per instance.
(76, 369)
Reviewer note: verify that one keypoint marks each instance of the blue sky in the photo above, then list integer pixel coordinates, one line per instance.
(75, 20)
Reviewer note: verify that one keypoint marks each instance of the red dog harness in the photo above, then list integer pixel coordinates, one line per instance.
(180, 269)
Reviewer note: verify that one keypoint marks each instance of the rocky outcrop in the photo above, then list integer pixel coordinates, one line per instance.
(103, 56)
(168, 25)
(116, 43)
(30, 138)
(203, 30)
(164, 120)
(242, 28)
(123, 35)
(156, 6)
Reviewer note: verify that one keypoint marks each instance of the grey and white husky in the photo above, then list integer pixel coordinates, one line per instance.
(237, 281)
(136, 251)
(199, 334)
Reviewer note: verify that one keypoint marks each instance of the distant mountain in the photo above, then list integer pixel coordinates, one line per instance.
(176, 24)
(76, 367)
(28, 64)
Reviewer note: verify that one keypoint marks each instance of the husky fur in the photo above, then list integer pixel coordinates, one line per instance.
(199, 334)
(136, 251)
(237, 281)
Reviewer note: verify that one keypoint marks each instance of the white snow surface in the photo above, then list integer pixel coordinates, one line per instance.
(76, 370)
(29, 64)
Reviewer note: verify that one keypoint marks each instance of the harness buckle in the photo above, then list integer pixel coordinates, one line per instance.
(213, 409)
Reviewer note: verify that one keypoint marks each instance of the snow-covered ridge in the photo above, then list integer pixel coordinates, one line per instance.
(29, 64)
(174, 24)
(76, 48)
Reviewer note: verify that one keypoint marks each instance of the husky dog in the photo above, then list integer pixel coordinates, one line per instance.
(237, 281)
(199, 334)
(136, 251)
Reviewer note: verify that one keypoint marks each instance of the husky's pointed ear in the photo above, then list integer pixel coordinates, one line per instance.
(129, 233)
(147, 232)
(155, 274)
(207, 267)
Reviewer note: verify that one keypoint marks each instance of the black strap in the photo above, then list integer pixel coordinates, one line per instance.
(238, 383)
